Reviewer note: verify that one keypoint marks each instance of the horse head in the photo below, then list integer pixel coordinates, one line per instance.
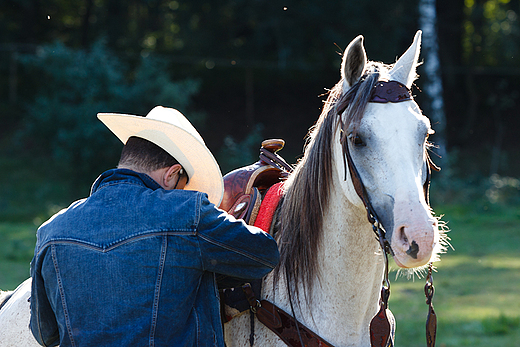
(384, 135)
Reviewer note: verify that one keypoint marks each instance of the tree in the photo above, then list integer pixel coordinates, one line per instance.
(433, 85)
(61, 121)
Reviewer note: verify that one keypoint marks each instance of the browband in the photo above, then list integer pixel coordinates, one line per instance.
(390, 91)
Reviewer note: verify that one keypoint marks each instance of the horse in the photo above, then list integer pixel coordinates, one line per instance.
(15, 313)
(331, 268)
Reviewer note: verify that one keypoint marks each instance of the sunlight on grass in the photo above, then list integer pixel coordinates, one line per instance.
(475, 297)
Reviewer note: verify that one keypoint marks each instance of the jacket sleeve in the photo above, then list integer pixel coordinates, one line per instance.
(232, 248)
(43, 322)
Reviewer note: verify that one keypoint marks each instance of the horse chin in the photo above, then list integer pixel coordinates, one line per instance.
(408, 264)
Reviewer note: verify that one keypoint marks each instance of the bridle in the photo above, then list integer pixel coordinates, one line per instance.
(380, 328)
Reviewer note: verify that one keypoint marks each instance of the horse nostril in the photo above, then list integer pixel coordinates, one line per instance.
(402, 235)
(413, 250)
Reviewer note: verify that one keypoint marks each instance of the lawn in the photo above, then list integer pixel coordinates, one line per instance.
(477, 298)
(477, 284)
(17, 242)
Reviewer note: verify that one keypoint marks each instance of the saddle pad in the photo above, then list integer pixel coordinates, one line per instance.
(268, 207)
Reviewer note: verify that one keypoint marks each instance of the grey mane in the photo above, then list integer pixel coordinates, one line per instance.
(307, 190)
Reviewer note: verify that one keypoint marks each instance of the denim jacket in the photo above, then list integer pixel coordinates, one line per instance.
(136, 265)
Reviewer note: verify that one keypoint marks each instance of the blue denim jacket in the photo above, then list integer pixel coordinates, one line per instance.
(136, 265)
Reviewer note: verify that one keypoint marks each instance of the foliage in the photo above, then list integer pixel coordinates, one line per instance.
(17, 242)
(491, 32)
(60, 123)
(235, 154)
(31, 191)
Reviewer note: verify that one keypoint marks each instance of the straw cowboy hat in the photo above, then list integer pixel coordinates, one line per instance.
(170, 130)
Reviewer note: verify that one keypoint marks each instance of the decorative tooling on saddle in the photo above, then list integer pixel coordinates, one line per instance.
(245, 187)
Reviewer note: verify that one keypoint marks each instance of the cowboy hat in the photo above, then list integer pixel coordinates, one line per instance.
(170, 130)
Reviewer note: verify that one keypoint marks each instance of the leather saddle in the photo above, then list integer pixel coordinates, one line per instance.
(244, 188)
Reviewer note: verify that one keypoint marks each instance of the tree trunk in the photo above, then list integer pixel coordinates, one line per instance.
(433, 84)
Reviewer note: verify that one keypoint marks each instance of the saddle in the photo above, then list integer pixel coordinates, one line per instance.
(245, 188)
(244, 191)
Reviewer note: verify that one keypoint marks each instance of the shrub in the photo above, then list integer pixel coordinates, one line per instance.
(74, 85)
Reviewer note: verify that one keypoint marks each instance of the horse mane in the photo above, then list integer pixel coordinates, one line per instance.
(307, 190)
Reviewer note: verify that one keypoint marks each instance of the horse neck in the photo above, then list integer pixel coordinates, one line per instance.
(351, 269)
(345, 297)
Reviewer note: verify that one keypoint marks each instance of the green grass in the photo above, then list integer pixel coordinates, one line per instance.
(477, 285)
(17, 242)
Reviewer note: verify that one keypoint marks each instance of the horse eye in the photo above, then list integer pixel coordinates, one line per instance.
(358, 141)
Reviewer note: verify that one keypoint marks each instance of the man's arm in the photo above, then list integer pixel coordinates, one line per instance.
(232, 248)
(43, 322)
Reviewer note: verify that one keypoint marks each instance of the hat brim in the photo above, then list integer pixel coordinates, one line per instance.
(202, 168)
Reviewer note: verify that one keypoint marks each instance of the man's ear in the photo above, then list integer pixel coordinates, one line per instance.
(171, 176)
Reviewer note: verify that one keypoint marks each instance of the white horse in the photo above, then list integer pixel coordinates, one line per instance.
(329, 254)
(15, 312)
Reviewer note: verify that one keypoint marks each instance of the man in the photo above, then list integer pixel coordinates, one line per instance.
(135, 263)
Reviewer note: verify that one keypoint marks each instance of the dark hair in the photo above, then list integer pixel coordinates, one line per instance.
(144, 155)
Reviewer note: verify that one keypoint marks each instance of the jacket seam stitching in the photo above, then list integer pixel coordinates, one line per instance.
(62, 296)
(184, 232)
(248, 255)
(157, 293)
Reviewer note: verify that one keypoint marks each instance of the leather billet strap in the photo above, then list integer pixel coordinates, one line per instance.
(285, 326)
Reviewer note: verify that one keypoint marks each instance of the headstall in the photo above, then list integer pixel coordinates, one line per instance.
(380, 328)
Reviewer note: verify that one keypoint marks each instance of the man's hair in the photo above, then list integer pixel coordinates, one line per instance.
(145, 156)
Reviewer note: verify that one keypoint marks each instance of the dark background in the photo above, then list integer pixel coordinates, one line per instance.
(241, 71)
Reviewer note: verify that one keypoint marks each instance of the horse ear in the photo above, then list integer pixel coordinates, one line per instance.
(404, 70)
(353, 64)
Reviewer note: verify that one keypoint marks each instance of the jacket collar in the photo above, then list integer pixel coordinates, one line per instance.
(123, 175)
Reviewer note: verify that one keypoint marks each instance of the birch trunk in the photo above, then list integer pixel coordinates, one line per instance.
(433, 84)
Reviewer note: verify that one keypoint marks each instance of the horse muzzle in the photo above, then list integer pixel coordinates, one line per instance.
(414, 238)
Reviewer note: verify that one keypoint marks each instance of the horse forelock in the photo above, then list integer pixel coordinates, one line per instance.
(307, 189)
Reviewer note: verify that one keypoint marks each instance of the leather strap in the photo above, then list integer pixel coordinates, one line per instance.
(284, 326)
(390, 91)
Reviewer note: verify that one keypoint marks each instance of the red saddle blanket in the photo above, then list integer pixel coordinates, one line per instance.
(268, 207)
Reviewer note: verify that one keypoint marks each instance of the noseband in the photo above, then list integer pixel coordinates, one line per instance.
(380, 329)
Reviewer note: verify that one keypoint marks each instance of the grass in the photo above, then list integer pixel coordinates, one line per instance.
(17, 242)
(477, 284)
(477, 297)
